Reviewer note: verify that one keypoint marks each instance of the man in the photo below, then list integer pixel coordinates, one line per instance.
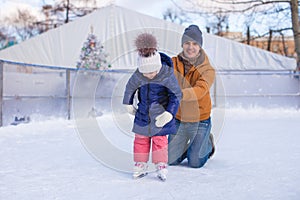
(195, 76)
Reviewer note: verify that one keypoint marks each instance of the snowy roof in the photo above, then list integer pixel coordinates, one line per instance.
(117, 27)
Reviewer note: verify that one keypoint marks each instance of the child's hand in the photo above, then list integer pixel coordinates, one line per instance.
(131, 109)
(163, 119)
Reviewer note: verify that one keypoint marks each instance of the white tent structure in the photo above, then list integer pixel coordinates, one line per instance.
(116, 28)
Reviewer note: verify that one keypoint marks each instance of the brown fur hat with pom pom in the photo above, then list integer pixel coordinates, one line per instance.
(148, 58)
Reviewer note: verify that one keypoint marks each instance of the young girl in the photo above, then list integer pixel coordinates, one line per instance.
(158, 101)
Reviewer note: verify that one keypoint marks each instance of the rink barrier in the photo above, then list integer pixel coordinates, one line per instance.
(215, 90)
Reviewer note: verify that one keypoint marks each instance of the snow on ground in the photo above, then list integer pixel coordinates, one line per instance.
(257, 157)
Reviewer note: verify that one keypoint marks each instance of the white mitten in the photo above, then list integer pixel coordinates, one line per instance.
(131, 109)
(163, 119)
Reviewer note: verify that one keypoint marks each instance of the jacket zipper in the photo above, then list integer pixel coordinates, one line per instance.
(149, 125)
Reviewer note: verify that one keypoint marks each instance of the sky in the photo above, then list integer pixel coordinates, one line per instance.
(155, 8)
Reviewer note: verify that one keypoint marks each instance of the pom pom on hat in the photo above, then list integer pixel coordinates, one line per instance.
(192, 33)
(146, 44)
(148, 58)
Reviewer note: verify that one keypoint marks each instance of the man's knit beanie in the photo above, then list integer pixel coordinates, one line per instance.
(192, 33)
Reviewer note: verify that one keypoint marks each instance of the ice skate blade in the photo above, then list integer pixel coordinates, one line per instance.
(138, 176)
(161, 178)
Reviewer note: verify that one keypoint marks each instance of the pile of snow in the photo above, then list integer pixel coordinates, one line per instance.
(257, 157)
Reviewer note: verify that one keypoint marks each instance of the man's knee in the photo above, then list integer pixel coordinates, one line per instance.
(197, 163)
(174, 161)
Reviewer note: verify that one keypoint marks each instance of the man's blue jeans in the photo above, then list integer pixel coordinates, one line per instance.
(192, 142)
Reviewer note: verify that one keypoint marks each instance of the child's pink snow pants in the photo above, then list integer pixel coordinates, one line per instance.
(142, 146)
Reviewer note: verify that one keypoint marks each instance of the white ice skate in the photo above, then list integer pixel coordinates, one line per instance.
(140, 170)
(162, 171)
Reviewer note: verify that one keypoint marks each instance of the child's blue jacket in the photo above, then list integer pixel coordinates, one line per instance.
(162, 93)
